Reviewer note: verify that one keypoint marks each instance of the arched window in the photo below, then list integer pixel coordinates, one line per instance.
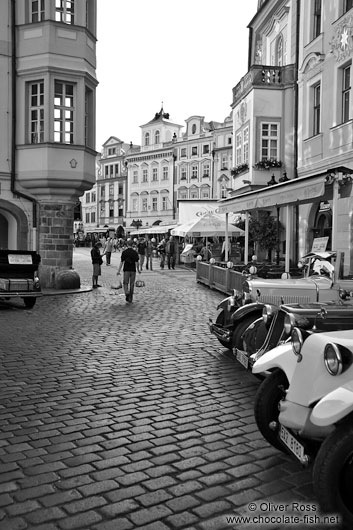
(156, 137)
(147, 138)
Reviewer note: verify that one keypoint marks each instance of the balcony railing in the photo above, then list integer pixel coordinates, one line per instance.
(263, 76)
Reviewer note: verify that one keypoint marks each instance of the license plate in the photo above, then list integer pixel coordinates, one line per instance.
(20, 259)
(242, 358)
(293, 445)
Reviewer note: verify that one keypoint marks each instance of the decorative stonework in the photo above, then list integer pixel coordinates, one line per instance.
(342, 42)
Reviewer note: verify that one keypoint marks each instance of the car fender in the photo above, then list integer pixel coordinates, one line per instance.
(247, 309)
(223, 304)
(281, 356)
(334, 406)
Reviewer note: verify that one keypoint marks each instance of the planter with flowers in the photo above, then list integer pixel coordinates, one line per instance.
(267, 163)
(239, 169)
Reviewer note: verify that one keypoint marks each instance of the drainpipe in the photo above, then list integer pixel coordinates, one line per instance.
(296, 121)
(14, 119)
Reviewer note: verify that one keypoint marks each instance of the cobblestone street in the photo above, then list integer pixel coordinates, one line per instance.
(119, 416)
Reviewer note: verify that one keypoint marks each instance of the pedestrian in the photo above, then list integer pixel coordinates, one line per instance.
(161, 250)
(97, 261)
(206, 253)
(129, 259)
(108, 249)
(149, 253)
(141, 250)
(171, 250)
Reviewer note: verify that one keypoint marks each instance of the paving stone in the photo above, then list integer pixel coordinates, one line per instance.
(112, 431)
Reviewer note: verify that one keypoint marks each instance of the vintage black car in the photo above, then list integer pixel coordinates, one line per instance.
(277, 324)
(19, 276)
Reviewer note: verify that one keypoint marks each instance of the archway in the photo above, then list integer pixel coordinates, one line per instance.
(15, 223)
(322, 223)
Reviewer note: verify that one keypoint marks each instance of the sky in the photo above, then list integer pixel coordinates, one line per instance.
(186, 55)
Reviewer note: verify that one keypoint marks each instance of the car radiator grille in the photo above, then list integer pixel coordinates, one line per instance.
(278, 300)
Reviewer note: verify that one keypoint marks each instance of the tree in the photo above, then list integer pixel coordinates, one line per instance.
(264, 231)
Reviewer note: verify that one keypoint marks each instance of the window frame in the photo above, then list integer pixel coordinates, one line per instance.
(65, 11)
(38, 13)
(346, 93)
(317, 16)
(62, 109)
(37, 124)
(316, 109)
(270, 138)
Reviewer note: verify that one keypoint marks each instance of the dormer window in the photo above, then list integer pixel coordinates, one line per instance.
(147, 138)
(156, 137)
(193, 128)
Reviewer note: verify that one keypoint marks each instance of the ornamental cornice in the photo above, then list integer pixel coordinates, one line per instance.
(342, 42)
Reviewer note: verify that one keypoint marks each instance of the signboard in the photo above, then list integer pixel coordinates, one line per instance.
(189, 209)
(20, 259)
(319, 244)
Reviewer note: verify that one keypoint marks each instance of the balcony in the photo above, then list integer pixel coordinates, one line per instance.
(260, 76)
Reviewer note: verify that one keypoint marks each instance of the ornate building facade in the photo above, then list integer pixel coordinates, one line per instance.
(47, 138)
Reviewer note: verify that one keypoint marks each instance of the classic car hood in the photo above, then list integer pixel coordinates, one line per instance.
(298, 283)
(344, 338)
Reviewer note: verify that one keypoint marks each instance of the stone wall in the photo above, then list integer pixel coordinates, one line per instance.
(55, 240)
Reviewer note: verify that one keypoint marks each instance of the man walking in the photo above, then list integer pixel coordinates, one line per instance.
(108, 249)
(171, 252)
(129, 259)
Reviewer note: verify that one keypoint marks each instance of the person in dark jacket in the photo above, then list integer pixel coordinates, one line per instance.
(97, 261)
(171, 251)
(129, 259)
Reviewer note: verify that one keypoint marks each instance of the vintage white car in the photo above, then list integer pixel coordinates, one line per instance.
(305, 407)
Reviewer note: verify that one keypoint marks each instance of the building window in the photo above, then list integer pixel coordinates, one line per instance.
(36, 112)
(193, 128)
(135, 176)
(246, 145)
(205, 149)
(89, 112)
(279, 51)
(64, 113)
(194, 151)
(238, 149)
(147, 139)
(144, 204)
(183, 175)
(111, 209)
(65, 11)
(154, 174)
(93, 217)
(224, 162)
(317, 18)
(87, 218)
(183, 194)
(205, 193)
(206, 170)
(156, 137)
(223, 191)
(316, 109)
(111, 190)
(164, 203)
(194, 172)
(144, 175)
(346, 92)
(134, 205)
(229, 140)
(194, 193)
(165, 173)
(348, 4)
(269, 141)
(88, 197)
(93, 196)
(183, 152)
(154, 204)
(102, 192)
(111, 151)
(37, 10)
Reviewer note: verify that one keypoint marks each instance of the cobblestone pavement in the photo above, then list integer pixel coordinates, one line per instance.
(116, 416)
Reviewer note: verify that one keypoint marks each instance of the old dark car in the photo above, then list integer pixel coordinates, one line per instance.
(276, 326)
(238, 311)
(19, 276)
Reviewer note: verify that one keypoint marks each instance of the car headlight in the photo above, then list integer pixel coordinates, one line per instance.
(289, 323)
(333, 359)
(297, 342)
(247, 287)
(267, 314)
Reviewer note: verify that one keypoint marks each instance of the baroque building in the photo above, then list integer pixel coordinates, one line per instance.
(47, 140)
(292, 119)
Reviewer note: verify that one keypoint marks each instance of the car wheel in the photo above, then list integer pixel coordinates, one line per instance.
(220, 322)
(266, 405)
(333, 473)
(240, 328)
(30, 301)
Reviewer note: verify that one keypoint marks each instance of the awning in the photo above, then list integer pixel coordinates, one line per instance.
(295, 191)
(158, 229)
